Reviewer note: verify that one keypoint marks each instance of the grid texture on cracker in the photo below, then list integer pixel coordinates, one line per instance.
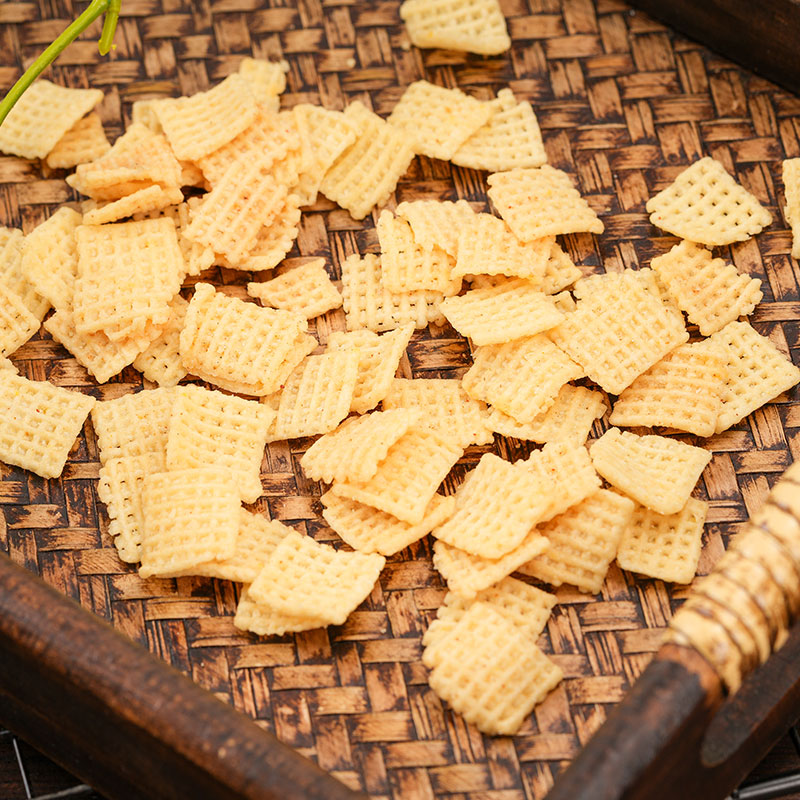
(267, 79)
(437, 224)
(791, 193)
(274, 240)
(307, 290)
(559, 272)
(40, 423)
(306, 578)
(17, 323)
(583, 542)
(83, 142)
(541, 202)
(657, 472)
(266, 621)
(161, 362)
(476, 26)
(153, 198)
(11, 251)
(757, 372)
(711, 292)
(705, 204)
(190, 516)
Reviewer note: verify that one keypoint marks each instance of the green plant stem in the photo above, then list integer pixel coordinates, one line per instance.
(95, 10)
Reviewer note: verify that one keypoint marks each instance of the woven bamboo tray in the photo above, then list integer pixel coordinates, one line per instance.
(624, 105)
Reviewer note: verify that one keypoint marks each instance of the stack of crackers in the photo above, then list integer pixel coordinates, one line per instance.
(219, 179)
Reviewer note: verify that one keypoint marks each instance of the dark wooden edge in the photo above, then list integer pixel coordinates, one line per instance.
(125, 722)
(762, 35)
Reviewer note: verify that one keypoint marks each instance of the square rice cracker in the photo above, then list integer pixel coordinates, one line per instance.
(353, 451)
(40, 423)
(369, 304)
(210, 428)
(559, 271)
(161, 362)
(704, 204)
(153, 198)
(437, 224)
(378, 360)
(757, 372)
(11, 249)
(83, 142)
(308, 579)
(407, 267)
(541, 202)
(569, 419)
(446, 408)
(407, 479)
(266, 621)
(711, 292)
(198, 125)
(583, 542)
(120, 488)
(511, 139)
(306, 290)
(513, 310)
(490, 672)
(791, 191)
(664, 546)
(657, 472)
(371, 531)
(267, 79)
(474, 26)
(316, 396)
(17, 323)
(466, 575)
(682, 391)
(620, 328)
(522, 378)
(436, 120)
(367, 172)
(239, 346)
(43, 114)
(191, 516)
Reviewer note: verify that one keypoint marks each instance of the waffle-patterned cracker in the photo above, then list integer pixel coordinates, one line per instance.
(437, 224)
(142, 201)
(267, 79)
(657, 472)
(704, 204)
(306, 290)
(40, 423)
(83, 142)
(791, 191)
(161, 361)
(11, 247)
(17, 323)
(559, 271)
(266, 621)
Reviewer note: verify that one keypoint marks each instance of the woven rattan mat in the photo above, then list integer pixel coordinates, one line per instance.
(623, 104)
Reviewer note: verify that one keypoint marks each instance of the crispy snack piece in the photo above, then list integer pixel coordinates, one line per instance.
(378, 360)
(757, 372)
(490, 672)
(664, 546)
(6, 364)
(366, 173)
(437, 224)
(559, 271)
(704, 204)
(40, 423)
(353, 451)
(85, 141)
(17, 323)
(620, 328)
(368, 530)
(657, 472)
(541, 202)
(476, 26)
(142, 201)
(161, 362)
(583, 542)
(266, 621)
(307, 579)
(791, 191)
(522, 378)
(191, 516)
(306, 290)
(684, 390)
(711, 292)
(11, 247)
(267, 79)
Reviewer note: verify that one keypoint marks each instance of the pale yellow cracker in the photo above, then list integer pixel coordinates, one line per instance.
(657, 472)
(161, 361)
(366, 173)
(42, 115)
(620, 328)
(705, 204)
(757, 372)
(569, 419)
(17, 323)
(711, 292)
(307, 290)
(559, 271)
(368, 530)
(791, 191)
(438, 120)
(445, 407)
(437, 224)
(210, 428)
(305, 578)
(369, 304)
(11, 250)
(267, 79)
(522, 378)
(40, 423)
(378, 360)
(191, 516)
(143, 112)
(353, 451)
(266, 621)
(476, 26)
(83, 142)
(583, 542)
(684, 391)
(7, 364)
(153, 198)
(541, 202)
